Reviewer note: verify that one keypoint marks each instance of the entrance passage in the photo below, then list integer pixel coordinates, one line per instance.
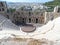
(58, 9)
(23, 20)
(36, 20)
(29, 20)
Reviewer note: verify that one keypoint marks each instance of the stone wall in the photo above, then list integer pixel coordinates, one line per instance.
(3, 8)
(32, 17)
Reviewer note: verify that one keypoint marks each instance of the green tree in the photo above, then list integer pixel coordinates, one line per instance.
(52, 4)
(10, 10)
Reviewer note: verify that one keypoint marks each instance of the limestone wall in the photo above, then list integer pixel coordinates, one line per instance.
(25, 41)
(3, 7)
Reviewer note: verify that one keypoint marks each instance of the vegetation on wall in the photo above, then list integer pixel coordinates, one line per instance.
(10, 10)
(52, 4)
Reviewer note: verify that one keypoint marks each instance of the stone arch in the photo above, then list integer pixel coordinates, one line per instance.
(23, 20)
(29, 20)
(58, 9)
(36, 20)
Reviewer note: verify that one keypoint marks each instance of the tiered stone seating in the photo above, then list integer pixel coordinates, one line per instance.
(6, 24)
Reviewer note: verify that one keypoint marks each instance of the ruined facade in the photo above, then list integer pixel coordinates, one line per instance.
(28, 15)
(3, 8)
(52, 15)
(56, 11)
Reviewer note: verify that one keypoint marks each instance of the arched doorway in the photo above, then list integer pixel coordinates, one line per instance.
(23, 20)
(36, 20)
(29, 20)
(58, 9)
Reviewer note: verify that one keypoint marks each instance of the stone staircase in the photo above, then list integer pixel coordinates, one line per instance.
(6, 24)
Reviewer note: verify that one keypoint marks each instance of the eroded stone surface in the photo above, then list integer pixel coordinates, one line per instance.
(24, 41)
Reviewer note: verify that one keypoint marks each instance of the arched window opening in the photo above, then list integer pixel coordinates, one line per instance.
(36, 20)
(29, 20)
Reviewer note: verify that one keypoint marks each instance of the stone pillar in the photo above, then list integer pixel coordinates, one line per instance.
(56, 9)
(45, 17)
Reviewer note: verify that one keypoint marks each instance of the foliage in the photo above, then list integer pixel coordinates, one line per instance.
(52, 4)
(10, 10)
